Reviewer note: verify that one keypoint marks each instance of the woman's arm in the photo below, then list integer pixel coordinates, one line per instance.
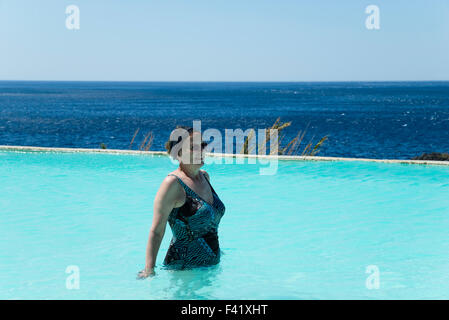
(167, 198)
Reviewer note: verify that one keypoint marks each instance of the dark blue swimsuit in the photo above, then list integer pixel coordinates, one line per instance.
(194, 226)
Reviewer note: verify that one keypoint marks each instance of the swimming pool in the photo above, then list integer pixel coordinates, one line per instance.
(308, 232)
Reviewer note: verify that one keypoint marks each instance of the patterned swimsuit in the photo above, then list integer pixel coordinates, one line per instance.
(194, 226)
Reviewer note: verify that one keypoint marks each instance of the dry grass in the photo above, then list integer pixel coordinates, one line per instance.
(134, 136)
(145, 145)
(291, 148)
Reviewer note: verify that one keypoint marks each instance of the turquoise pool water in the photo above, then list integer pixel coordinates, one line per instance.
(307, 232)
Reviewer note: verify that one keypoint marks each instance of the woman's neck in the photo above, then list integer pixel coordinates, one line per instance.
(191, 171)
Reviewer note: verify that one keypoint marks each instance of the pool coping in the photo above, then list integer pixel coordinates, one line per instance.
(163, 153)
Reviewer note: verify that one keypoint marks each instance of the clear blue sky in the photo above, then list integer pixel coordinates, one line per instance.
(224, 40)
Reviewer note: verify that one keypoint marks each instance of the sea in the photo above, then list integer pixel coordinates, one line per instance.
(389, 120)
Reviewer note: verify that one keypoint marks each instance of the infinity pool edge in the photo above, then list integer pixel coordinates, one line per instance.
(163, 153)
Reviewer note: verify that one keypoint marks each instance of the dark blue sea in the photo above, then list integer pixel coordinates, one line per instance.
(361, 119)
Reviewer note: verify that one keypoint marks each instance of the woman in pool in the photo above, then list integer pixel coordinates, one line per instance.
(187, 200)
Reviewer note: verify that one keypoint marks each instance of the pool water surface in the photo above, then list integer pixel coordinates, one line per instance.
(310, 231)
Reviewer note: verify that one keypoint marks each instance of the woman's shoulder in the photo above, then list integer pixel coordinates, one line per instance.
(171, 190)
(170, 179)
(171, 184)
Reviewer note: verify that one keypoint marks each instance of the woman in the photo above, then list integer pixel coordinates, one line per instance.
(187, 200)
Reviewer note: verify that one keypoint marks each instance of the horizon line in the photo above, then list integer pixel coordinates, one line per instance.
(226, 81)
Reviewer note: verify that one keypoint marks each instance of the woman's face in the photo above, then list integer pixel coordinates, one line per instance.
(192, 152)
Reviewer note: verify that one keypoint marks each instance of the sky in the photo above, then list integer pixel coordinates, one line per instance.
(224, 40)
